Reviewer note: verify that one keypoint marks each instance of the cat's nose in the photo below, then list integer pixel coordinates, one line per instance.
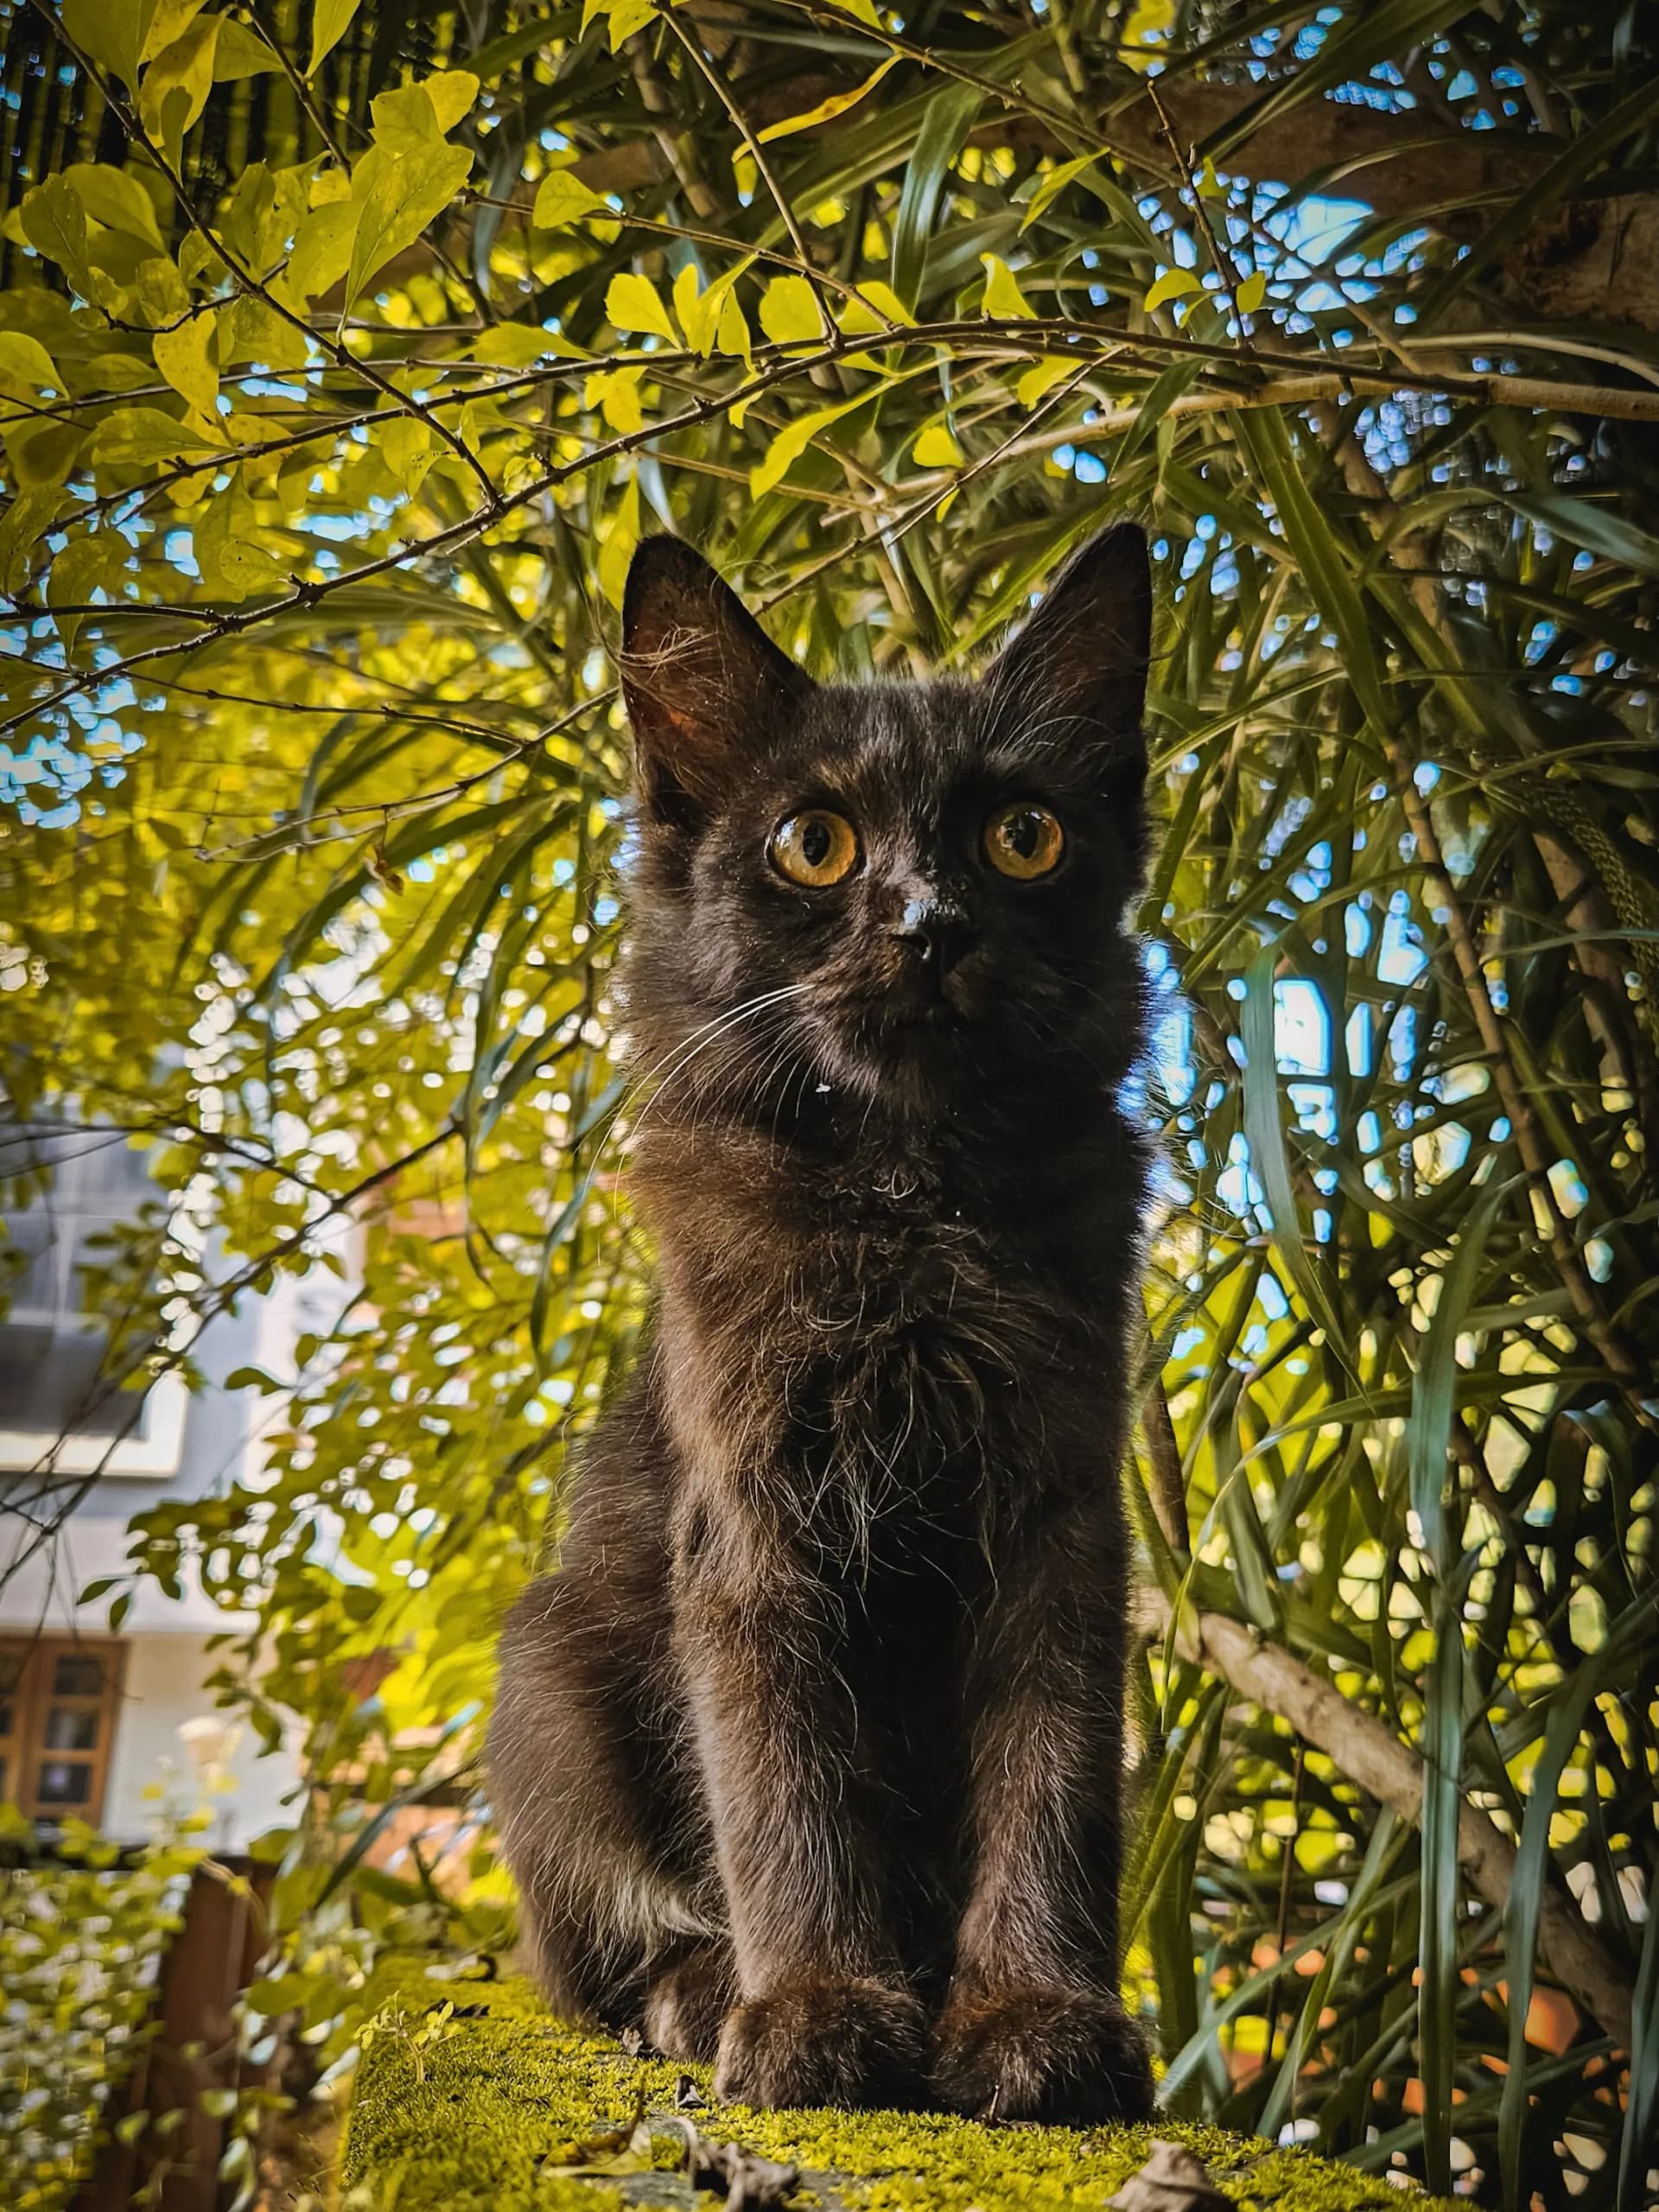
(935, 931)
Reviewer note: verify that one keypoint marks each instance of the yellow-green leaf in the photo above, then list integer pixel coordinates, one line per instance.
(1252, 292)
(409, 192)
(250, 329)
(452, 92)
(511, 346)
(23, 524)
(87, 564)
(827, 111)
(329, 24)
(24, 361)
(632, 303)
(733, 336)
(185, 68)
(241, 52)
(54, 223)
(561, 198)
(1173, 285)
(322, 248)
(409, 119)
(790, 442)
(171, 20)
(227, 542)
(789, 311)
(1149, 22)
(937, 449)
(1003, 299)
(406, 121)
(1041, 378)
(1054, 182)
(144, 436)
(615, 392)
(158, 293)
(410, 449)
(620, 539)
(876, 306)
(184, 357)
(113, 31)
(114, 198)
(622, 17)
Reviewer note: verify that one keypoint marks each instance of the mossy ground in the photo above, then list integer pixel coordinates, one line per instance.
(496, 2108)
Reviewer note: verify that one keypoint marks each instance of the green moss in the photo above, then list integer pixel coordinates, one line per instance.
(497, 2107)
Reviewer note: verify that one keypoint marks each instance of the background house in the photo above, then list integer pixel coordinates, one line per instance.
(93, 1725)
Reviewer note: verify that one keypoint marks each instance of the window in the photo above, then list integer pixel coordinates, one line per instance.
(50, 1349)
(58, 1701)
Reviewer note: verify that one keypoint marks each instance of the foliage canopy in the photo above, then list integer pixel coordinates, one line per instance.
(345, 352)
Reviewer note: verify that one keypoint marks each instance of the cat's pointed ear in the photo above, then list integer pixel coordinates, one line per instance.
(1081, 656)
(704, 684)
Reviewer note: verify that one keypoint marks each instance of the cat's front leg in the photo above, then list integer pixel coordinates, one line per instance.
(821, 2016)
(1035, 2027)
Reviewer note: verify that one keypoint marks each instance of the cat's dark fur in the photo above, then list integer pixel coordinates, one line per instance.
(808, 1757)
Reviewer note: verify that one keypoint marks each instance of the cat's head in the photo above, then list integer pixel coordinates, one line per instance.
(902, 893)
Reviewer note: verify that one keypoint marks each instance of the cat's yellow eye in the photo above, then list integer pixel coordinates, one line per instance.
(1024, 840)
(816, 848)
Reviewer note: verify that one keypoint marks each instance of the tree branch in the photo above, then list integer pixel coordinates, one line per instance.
(1388, 1770)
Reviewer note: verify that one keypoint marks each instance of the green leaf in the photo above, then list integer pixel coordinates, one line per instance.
(1268, 1157)
(1435, 1389)
(250, 1378)
(632, 303)
(950, 115)
(1588, 523)
(1321, 555)
(1252, 292)
(330, 22)
(1588, 149)
(1642, 2120)
(789, 312)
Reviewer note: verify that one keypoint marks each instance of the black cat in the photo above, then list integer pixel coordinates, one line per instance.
(809, 1756)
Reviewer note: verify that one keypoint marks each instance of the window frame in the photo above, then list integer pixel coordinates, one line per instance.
(153, 1449)
(33, 1697)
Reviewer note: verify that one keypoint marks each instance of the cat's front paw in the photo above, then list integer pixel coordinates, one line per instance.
(1068, 2057)
(824, 2043)
(686, 2001)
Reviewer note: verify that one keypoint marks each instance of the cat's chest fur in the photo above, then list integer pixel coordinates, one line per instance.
(883, 1325)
